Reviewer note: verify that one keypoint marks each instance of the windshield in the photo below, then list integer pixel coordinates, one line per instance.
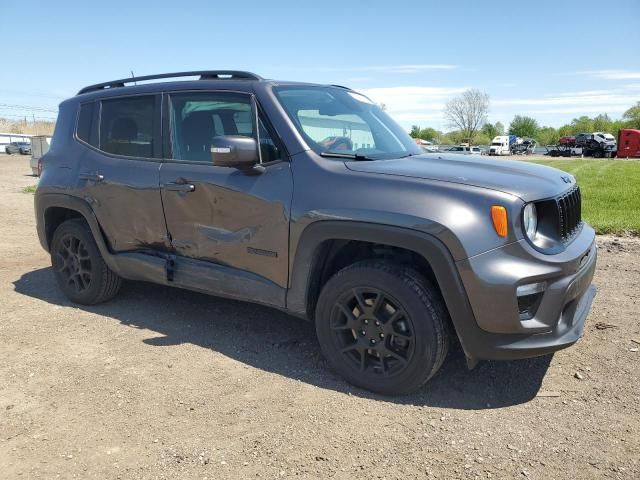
(339, 122)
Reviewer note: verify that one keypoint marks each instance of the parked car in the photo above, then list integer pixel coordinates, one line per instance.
(465, 150)
(392, 253)
(23, 148)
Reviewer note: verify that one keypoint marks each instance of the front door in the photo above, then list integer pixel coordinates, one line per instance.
(221, 215)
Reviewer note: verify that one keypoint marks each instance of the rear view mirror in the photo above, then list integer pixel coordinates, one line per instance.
(235, 151)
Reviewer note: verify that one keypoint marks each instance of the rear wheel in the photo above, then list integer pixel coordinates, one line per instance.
(79, 268)
(382, 326)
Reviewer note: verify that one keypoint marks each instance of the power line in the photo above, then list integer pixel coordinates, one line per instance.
(27, 107)
(4, 115)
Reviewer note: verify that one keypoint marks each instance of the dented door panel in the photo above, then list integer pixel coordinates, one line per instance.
(125, 197)
(230, 218)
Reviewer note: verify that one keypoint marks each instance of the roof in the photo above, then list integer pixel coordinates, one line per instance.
(219, 79)
(203, 74)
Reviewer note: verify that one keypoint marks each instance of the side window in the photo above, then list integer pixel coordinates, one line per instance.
(85, 122)
(126, 126)
(196, 118)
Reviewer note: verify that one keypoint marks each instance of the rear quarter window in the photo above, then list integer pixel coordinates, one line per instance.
(85, 122)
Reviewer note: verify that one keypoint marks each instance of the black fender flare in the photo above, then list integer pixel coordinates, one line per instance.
(46, 201)
(433, 250)
(129, 265)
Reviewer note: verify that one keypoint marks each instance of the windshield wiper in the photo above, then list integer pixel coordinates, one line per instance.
(351, 156)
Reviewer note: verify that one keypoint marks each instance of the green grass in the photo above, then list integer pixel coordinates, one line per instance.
(610, 192)
(29, 189)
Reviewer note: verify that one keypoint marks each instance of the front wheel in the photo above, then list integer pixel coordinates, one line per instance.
(79, 268)
(382, 326)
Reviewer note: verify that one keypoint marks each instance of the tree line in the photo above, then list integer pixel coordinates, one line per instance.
(467, 115)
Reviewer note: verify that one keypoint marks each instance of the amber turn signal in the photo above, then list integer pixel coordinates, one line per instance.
(499, 217)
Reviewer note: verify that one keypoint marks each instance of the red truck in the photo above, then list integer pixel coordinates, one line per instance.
(629, 143)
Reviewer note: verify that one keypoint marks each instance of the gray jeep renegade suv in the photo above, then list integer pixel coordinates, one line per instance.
(310, 199)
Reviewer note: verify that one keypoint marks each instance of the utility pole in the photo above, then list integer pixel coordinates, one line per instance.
(35, 127)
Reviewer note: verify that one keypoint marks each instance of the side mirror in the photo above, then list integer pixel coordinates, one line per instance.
(235, 151)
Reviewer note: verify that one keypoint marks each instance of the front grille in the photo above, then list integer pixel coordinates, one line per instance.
(569, 213)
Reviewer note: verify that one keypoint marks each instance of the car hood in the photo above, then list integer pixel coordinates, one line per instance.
(526, 180)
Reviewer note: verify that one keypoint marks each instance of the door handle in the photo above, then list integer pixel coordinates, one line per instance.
(92, 177)
(180, 187)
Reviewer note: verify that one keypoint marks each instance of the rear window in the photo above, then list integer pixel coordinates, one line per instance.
(126, 126)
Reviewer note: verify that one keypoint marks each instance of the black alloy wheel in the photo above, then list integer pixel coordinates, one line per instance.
(382, 326)
(73, 263)
(373, 333)
(80, 270)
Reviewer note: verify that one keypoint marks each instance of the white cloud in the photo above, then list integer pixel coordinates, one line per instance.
(411, 104)
(588, 98)
(590, 110)
(614, 74)
(412, 98)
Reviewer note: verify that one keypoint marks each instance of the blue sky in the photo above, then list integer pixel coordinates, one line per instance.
(553, 60)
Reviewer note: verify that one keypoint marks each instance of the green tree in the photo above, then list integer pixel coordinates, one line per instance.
(453, 138)
(427, 133)
(430, 134)
(565, 131)
(583, 124)
(602, 123)
(632, 116)
(482, 139)
(547, 136)
(492, 130)
(523, 126)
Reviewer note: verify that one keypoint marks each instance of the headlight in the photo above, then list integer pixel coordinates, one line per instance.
(530, 219)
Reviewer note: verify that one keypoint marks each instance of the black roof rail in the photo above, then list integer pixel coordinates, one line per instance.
(204, 75)
(339, 86)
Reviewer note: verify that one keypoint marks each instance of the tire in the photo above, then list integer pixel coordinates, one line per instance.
(7, 151)
(79, 268)
(382, 326)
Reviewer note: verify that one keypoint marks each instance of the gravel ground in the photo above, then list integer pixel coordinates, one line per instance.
(163, 383)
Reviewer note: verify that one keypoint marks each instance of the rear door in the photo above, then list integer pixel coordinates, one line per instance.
(119, 171)
(220, 215)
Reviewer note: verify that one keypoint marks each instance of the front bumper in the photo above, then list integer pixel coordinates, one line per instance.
(491, 280)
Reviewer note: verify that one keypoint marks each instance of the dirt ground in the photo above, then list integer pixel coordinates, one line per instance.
(166, 384)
